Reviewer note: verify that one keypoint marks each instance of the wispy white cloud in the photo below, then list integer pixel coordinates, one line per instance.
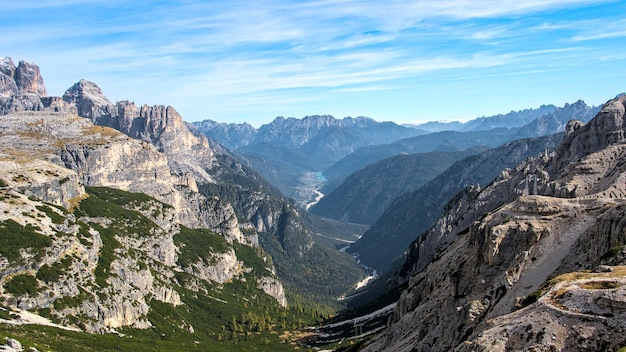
(262, 52)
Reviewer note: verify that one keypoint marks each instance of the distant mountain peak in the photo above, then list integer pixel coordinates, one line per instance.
(24, 79)
(88, 98)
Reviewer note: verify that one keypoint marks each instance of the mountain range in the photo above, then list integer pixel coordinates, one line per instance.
(286, 148)
(122, 226)
(512, 119)
(534, 261)
(118, 216)
(414, 212)
(412, 199)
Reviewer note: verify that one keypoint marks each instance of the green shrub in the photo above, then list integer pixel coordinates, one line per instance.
(251, 257)
(14, 237)
(53, 215)
(197, 244)
(22, 284)
(49, 273)
(531, 298)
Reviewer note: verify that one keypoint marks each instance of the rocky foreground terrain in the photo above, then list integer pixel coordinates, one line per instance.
(533, 262)
(120, 218)
(47, 161)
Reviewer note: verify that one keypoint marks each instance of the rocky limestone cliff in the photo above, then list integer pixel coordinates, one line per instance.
(206, 186)
(22, 89)
(23, 79)
(159, 125)
(496, 250)
(49, 157)
(119, 293)
(89, 100)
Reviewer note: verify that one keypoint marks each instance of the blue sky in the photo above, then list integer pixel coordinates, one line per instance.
(402, 61)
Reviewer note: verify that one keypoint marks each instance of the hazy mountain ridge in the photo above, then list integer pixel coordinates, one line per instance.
(437, 141)
(286, 148)
(556, 121)
(479, 279)
(365, 194)
(294, 133)
(415, 212)
(512, 119)
(543, 121)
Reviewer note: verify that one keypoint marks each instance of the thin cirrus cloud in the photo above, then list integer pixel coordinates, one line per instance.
(396, 60)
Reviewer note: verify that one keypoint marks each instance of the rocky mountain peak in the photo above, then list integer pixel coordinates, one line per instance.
(159, 124)
(88, 98)
(29, 79)
(7, 66)
(23, 79)
(515, 253)
(606, 129)
(22, 87)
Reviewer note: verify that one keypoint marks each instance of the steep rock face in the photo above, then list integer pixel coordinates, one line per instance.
(7, 67)
(23, 79)
(105, 264)
(28, 79)
(510, 239)
(89, 100)
(414, 213)
(159, 125)
(8, 86)
(274, 288)
(606, 129)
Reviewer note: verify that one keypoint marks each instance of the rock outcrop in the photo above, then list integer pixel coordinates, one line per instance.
(159, 125)
(110, 263)
(23, 79)
(22, 89)
(205, 186)
(89, 100)
(504, 248)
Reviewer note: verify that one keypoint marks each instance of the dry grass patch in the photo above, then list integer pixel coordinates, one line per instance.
(619, 272)
(102, 130)
(600, 285)
(75, 202)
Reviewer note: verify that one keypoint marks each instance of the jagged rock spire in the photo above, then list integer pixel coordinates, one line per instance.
(89, 99)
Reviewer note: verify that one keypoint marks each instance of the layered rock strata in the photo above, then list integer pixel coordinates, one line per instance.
(496, 249)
